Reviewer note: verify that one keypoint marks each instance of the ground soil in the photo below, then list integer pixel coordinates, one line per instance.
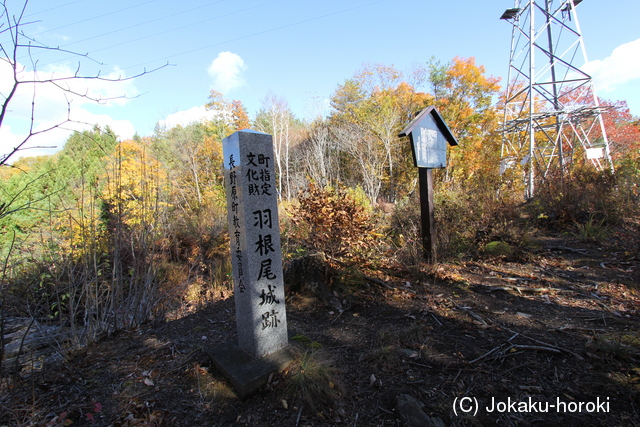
(558, 323)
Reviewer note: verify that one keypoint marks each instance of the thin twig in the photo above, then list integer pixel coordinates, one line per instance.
(299, 415)
(385, 410)
(26, 332)
(456, 377)
(339, 314)
(487, 354)
(436, 319)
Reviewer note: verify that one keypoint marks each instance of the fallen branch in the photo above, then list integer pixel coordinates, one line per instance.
(377, 281)
(534, 347)
(472, 314)
(365, 277)
(543, 347)
(567, 249)
(490, 352)
(547, 345)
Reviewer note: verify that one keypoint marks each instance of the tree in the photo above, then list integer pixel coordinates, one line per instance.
(192, 156)
(57, 189)
(240, 116)
(276, 118)
(375, 105)
(623, 130)
(137, 182)
(464, 97)
(28, 80)
(230, 115)
(319, 154)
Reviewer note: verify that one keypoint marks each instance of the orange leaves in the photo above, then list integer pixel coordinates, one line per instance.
(464, 97)
(623, 130)
(240, 116)
(231, 114)
(370, 110)
(332, 221)
(463, 94)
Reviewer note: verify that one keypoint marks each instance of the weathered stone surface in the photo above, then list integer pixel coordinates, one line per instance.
(410, 410)
(255, 242)
(311, 275)
(27, 343)
(245, 373)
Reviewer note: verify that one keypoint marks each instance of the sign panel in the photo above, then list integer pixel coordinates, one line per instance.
(595, 153)
(429, 136)
(429, 145)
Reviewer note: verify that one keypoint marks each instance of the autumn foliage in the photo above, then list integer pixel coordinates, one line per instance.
(332, 221)
(106, 234)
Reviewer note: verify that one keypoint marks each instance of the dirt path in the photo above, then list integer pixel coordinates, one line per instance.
(557, 330)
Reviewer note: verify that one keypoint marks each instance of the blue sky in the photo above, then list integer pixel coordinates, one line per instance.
(300, 50)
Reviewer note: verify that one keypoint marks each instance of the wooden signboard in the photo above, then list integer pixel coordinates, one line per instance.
(429, 137)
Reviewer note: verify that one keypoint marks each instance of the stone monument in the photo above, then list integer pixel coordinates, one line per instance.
(256, 258)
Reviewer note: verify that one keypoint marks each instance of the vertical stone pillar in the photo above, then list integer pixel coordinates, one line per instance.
(254, 231)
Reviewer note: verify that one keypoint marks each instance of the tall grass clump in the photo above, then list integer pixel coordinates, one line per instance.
(312, 381)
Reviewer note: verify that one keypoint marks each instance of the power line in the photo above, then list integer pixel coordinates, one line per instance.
(144, 23)
(214, 44)
(255, 34)
(93, 17)
(52, 8)
(166, 31)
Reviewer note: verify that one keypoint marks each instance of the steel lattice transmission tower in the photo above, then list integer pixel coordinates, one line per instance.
(551, 113)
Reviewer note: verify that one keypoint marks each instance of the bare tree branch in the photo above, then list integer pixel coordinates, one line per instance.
(22, 45)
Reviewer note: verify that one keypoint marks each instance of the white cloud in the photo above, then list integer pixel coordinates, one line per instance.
(122, 128)
(62, 37)
(226, 71)
(621, 67)
(184, 118)
(53, 140)
(54, 106)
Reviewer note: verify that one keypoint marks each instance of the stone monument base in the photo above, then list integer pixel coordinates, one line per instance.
(245, 373)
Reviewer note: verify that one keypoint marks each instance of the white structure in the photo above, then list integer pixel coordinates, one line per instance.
(551, 109)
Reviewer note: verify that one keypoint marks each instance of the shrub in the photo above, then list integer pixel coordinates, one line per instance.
(466, 219)
(586, 195)
(332, 221)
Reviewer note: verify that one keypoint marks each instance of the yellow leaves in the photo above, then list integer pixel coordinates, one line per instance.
(378, 77)
(135, 181)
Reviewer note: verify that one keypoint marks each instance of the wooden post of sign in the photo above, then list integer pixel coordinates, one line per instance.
(429, 136)
(427, 217)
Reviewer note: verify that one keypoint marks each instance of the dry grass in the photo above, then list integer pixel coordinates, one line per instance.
(312, 381)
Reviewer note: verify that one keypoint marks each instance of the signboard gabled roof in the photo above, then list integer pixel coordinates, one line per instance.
(442, 126)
